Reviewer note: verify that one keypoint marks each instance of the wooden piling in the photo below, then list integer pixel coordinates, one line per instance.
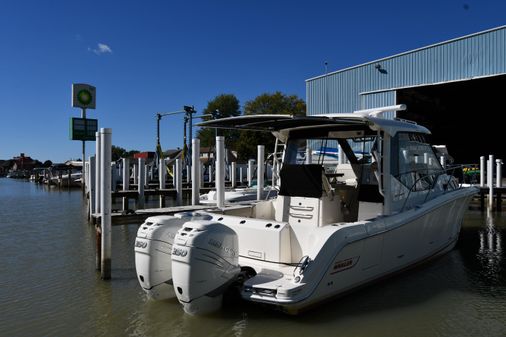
(178, 181)
(220, 171)
(260, 171)
(105, 199)
(91, 186)
(232, 174)
(98, 157)
(126, 181)
(195, 169)
(140, 186)
(161, 180)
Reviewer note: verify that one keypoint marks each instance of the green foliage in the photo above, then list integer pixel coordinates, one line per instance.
(119, 152)
(276, 103)
(222, 106)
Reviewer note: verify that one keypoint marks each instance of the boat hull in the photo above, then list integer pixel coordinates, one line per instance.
(387, 246)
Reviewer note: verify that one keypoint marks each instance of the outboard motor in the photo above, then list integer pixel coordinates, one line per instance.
(153, 247)
(204, 264)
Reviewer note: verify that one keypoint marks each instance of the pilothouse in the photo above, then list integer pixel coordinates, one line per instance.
(385, 205)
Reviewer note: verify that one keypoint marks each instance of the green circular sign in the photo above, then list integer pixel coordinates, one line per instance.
(84, 97)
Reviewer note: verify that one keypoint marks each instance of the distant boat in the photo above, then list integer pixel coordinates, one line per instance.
(238, 195)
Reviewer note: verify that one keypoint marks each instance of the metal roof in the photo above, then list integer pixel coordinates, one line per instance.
(375, 83)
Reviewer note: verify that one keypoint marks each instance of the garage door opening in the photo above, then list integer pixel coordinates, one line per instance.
(465, 116)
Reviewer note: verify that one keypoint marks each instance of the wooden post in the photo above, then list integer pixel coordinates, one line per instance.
(195, 171)
(178, 181)
(250, 171)
(91, 186)
(136, 173)
(105, 218)
(490, 181)
(220, 171)
(98, 251)
(201, 167)
(161, 180)
(98, 157)
(126, 181)
(498, 173)
(482, 171)
(140, 185)
(146, 176)
(260, 172)
(114, 173)
(232, 174)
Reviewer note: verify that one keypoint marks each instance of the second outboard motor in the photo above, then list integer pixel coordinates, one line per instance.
(204, 264)
(153, 247)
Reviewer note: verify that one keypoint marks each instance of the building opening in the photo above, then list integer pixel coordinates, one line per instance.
(465, 116)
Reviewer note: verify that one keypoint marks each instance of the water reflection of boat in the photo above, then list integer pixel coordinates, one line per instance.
(330, 230)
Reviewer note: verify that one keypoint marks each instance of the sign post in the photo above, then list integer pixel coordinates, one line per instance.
(84, 97)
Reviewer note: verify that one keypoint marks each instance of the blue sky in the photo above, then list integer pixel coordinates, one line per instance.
(151, 56)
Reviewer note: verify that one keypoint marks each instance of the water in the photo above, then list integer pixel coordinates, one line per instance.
(49, 286)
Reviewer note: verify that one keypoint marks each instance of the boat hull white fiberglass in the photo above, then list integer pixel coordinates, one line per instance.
(331, 229)
(350, 255)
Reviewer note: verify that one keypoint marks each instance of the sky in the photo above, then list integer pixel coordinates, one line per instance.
(146, 57)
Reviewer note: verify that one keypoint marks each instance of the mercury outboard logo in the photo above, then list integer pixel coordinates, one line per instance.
(219, 245)
(140, 244)
(179, 252)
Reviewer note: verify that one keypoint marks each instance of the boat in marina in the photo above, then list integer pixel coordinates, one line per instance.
(331, 228)
(238, 195)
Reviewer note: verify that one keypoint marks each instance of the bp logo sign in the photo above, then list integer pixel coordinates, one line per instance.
(83, 96)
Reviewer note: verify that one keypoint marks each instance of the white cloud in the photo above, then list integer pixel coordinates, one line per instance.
(102, 48)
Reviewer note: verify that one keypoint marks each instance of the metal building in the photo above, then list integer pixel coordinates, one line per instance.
(456, 88)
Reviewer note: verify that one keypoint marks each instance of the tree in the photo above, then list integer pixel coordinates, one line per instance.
(47, 163)
(222, 106)
(119, 152)
(276, 103)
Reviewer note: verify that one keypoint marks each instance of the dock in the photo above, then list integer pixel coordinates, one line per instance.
(497, 196)
(137, 217)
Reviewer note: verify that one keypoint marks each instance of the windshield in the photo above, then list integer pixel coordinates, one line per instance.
(326, 151)
(412, 158)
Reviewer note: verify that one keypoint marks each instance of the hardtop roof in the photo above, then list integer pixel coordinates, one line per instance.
(285, 123)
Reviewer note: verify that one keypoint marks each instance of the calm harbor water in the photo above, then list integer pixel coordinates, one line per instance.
(49, 287)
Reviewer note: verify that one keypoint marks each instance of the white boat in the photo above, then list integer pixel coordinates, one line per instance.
(238, 195)
(329, 231)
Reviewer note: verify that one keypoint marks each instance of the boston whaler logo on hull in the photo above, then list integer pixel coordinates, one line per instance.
(341, 265)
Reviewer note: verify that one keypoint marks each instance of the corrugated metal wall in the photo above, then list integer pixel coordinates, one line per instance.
(365, 86)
